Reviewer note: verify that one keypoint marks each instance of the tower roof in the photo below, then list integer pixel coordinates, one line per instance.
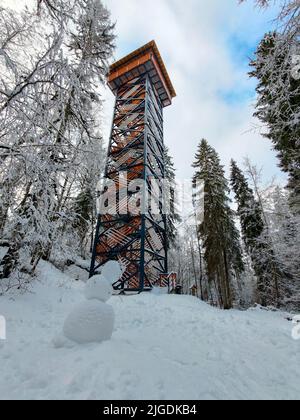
(146, 59)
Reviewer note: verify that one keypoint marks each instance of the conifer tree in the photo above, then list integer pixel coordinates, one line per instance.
(278, 103)
(256, 238)
(173, 216)
(284, 229)
(222, 250)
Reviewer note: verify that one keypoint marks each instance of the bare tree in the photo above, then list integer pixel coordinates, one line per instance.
(49, 119)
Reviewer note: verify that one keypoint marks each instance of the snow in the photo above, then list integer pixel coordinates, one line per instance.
(98, 287)
(163, 347)
(3, 251)
(112, 271)
(90, 322)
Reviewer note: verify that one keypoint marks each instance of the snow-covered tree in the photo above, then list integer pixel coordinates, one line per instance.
(49, 117)
(173, 216)
(84, 207)
(277, 68)
(222, 249)
(278, 103)
(284, 230)
(257, 240)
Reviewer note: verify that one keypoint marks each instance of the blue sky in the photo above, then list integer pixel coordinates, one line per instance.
(206, 46)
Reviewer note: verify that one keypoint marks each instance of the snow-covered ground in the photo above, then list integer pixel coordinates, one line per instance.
(163, 347)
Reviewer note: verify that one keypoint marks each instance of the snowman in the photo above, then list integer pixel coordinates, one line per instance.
(92, 321)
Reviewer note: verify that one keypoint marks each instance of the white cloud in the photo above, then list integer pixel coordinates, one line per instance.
(204, 45)
(195, 39)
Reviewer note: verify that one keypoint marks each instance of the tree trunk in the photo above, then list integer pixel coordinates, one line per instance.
(3, 218)
(227, 288)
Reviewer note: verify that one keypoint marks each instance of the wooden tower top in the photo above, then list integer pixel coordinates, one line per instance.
(146, 59)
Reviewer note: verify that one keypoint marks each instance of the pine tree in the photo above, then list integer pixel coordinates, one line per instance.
(256, 238)
(222, 255)
(173, 216)
(278, 103)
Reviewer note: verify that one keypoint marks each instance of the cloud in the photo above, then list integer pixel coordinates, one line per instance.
(206, 47)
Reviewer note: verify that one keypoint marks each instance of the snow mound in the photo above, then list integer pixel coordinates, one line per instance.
(93, 321)
(60, 341)
(90, 322)
(98, 288)
(112, 270)
(159, 291)
(193, 351)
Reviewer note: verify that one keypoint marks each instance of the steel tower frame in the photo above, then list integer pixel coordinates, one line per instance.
(128, 230)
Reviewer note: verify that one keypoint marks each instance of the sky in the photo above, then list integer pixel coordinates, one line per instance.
(206, 46)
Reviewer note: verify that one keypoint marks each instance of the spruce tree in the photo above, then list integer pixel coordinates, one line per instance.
(278, 103)
(173, 216)
(222, 255)
(256, 238)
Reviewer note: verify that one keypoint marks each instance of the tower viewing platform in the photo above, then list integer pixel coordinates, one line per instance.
(145, 60)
